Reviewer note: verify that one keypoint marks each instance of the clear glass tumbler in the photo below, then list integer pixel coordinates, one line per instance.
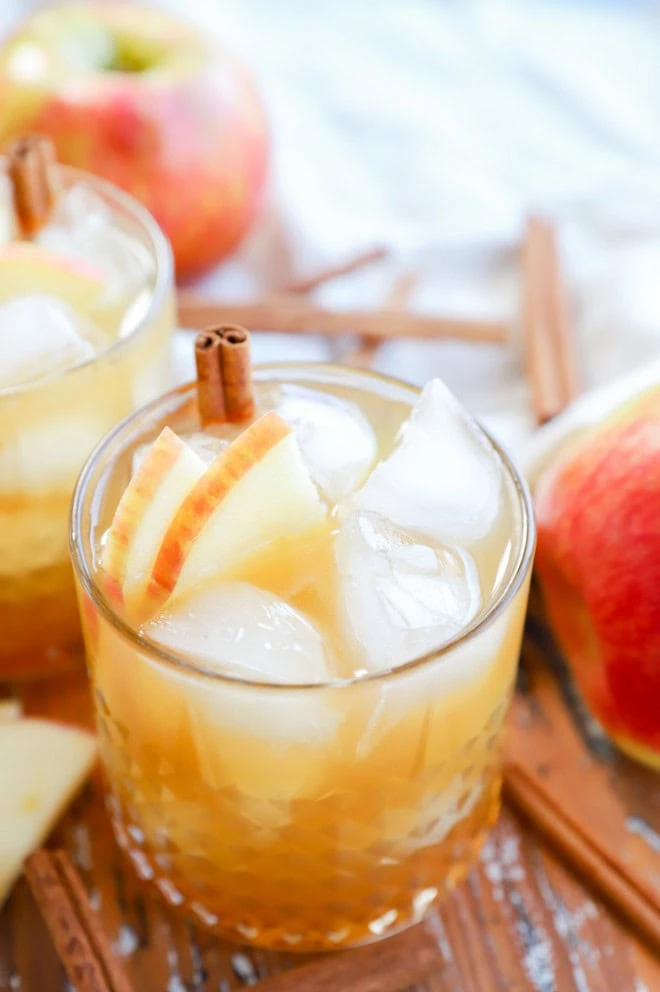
(298, 817)
(47, 430)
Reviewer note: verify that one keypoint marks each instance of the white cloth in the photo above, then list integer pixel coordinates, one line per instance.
(435, 127)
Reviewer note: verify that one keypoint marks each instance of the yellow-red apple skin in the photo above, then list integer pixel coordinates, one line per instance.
(219, 479)
(598, 558)
(159, 460)
(189, 140)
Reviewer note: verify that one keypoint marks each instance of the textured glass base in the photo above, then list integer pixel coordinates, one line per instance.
(364, 896)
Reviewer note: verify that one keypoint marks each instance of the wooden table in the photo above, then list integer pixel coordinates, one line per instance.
(520, 923)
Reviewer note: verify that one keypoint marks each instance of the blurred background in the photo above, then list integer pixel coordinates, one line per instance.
(434, 127)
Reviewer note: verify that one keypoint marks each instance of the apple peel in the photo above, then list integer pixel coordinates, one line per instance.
(167, 473)
(257, 490)
(27, 268)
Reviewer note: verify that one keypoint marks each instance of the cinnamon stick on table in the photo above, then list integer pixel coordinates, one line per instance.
(292, 315)
(83, 948)
(31, 170)
(636, 901)
(224, 374)
(550, 350)
(397, 299)
(394, 964)
(361, 260)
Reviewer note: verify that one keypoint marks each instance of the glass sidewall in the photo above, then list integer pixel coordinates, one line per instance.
(297, 817)
(48, 430)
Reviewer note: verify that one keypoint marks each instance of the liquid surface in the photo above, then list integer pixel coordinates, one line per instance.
(415, 542)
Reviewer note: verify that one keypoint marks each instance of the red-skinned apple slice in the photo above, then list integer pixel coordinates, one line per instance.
(166, 475)
(256, 491)
(27, 268)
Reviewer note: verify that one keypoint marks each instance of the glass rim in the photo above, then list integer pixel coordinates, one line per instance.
(164, 276)
(517, 573)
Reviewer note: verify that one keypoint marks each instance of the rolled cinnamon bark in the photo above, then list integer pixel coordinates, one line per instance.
(224, 374)
(31, 170)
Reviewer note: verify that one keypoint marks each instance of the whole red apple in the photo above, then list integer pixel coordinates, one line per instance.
(598, 514)
(147, 102)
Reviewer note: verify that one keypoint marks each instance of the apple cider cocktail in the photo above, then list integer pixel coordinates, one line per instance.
(86, 317)
(302, 636)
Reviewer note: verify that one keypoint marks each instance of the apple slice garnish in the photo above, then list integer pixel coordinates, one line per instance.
(42, 766)
(27, 268)
(257, 490)
(167, 473)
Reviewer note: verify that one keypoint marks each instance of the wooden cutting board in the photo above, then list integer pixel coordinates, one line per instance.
(520, 923)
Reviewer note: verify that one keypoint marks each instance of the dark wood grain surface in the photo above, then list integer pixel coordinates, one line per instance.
(520, 923)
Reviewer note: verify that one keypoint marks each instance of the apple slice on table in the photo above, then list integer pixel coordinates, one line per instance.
(167, 473)
(256, 491)
(27, 268)
(42, 766)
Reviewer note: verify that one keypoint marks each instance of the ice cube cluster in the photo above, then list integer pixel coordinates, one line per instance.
(408, 581)
(406, 576)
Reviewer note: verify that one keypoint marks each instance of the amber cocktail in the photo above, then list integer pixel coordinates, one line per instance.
(302, 636)
(86, 318)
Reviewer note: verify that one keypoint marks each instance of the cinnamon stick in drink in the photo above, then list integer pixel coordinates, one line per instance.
(236, 372)
(224, 374)
(210, 391)
(82, 947)
(31, 170)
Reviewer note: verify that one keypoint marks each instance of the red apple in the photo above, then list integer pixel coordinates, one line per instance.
(598, 514)
(149, 103)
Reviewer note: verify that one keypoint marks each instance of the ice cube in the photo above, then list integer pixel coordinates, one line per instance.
(83, 226)
(336, 439)
(206, 446)
(235, 629)
(443, 478)
(238, 630)
(40, 335)
(399, 598)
